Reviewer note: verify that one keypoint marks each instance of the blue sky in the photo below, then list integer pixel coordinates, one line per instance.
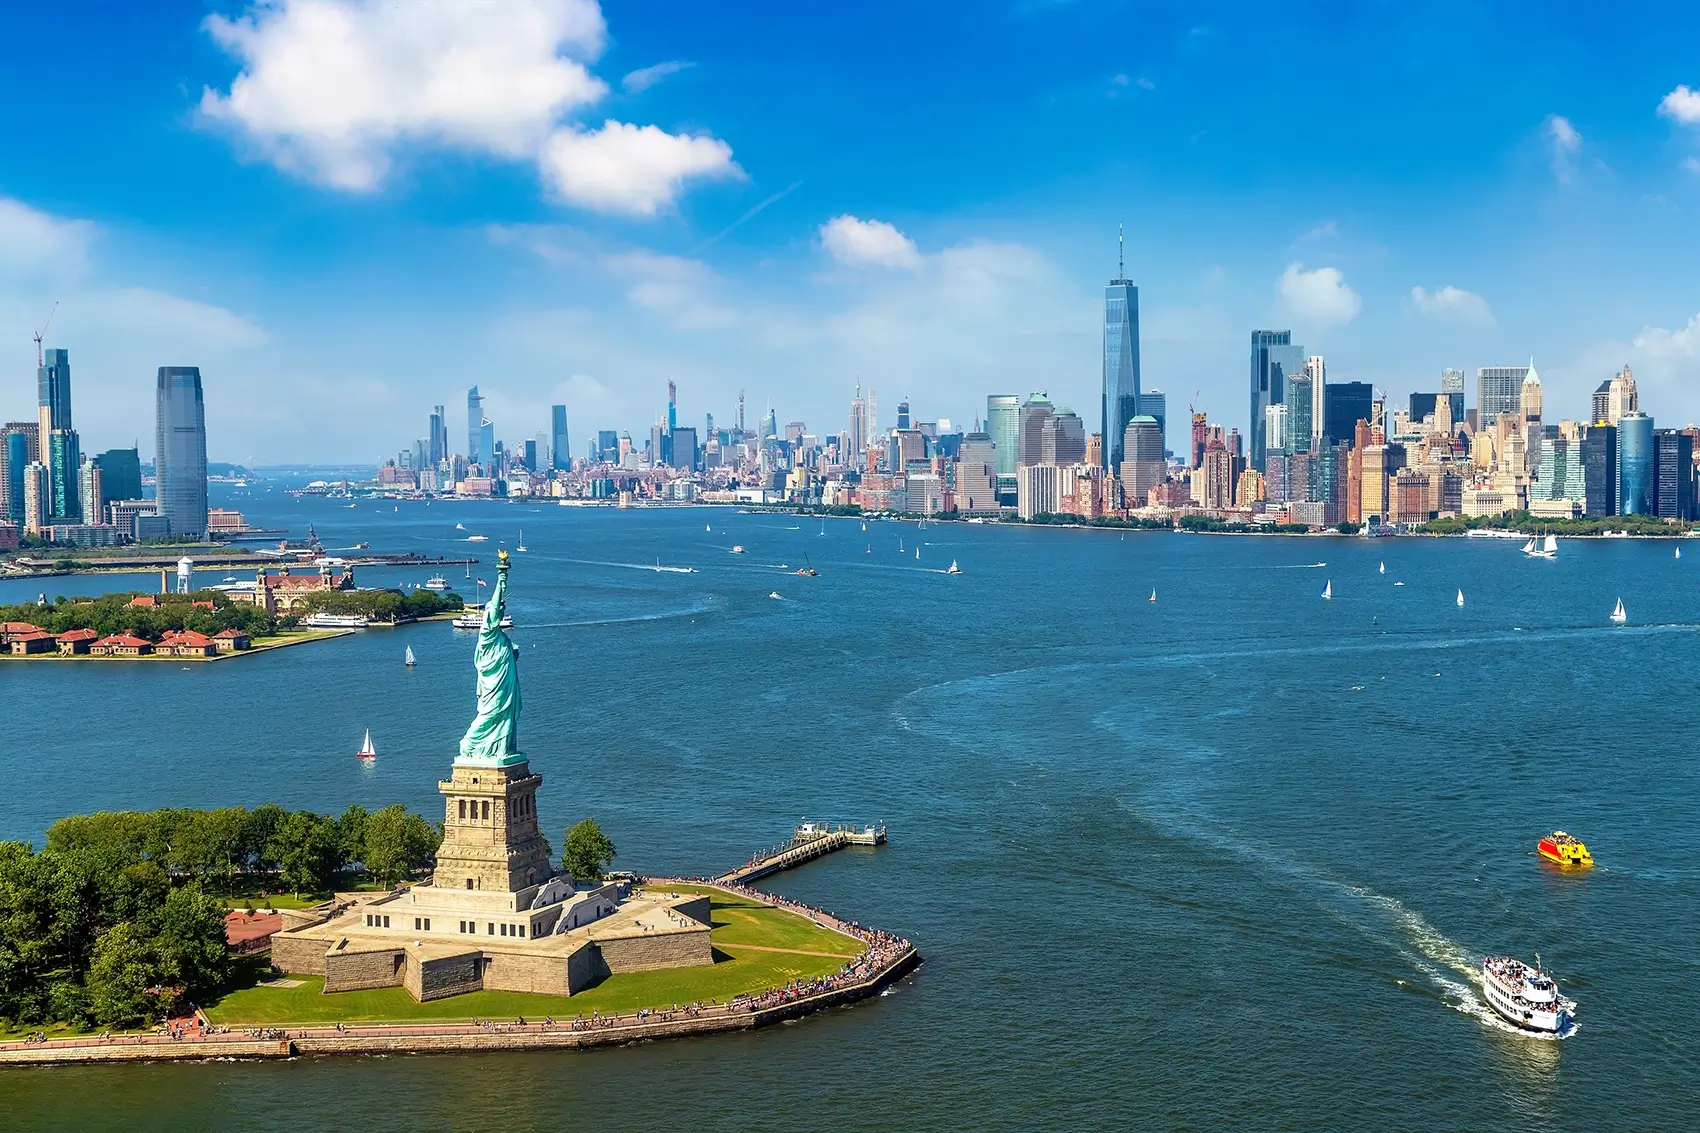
(347, 211)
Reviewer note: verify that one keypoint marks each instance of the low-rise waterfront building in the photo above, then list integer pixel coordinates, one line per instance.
(76, 642)
(121, 645)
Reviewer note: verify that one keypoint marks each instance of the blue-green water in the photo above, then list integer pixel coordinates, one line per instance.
(1225, 860)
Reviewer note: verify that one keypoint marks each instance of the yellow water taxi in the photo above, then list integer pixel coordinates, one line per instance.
(1565, 850)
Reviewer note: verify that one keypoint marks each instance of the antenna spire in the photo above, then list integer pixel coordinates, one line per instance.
(1121, 266)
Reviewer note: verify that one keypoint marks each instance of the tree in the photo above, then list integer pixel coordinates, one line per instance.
(386, 845)
(351, 833)
(588, 851)
(123, 969)
(307, 850)
(189, 940)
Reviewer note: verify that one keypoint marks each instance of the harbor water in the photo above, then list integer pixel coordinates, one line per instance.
(1229, 859)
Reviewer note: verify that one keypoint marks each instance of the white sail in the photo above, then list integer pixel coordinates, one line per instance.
(1618, 614)
(1153, 597)
(1460, 598)
(1328, 589)
(1529, 547)
(1551, 545)
(1679, 552)
(410, 654)
(366, 748)
(1383, 569)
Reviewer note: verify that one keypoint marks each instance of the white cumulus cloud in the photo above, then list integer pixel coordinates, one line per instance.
(34, 243)
(1682, 105)
(1320, 296)
(1671, 352)
(636, 170)
(863, 243)
(335, 91)
(1453, 304)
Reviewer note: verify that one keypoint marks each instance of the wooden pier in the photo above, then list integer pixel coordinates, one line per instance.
(810, 840)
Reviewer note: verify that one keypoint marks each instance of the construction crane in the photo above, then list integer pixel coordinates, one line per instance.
(39, 357)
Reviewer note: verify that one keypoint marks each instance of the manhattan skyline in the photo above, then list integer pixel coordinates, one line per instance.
(381, 261)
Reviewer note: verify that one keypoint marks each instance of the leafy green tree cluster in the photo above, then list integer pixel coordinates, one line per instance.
(383, 605)
(92, 937)
(1132, 523)
(1524, 523)
(829, 509)
(112, 613)
(230, 849)
(588, 851)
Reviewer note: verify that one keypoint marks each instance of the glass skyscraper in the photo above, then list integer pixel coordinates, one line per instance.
(1274, 359)
(180, 451)
(560, 450)
(17, 456)
(1599, 470)
(1635, 485)
(1121, 364)
(1156, 406)
(64, 462)
(474, 422)
(1499, 389)
(1003, 422)
(1344, 404)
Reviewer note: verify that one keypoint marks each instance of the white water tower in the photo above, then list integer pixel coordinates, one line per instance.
(185, 575)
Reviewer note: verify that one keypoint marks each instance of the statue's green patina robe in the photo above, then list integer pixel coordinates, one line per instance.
(493, 738)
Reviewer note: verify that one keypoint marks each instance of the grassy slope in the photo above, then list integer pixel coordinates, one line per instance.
(736, 970)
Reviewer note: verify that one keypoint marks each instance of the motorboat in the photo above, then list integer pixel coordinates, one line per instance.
(1564, 849)
(1526, 997)
(738, 549)
(478, 538)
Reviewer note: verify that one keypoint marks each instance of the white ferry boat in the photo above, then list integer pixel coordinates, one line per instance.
(474, 619)
(436, 582)
(1526, 997)
(336, 621)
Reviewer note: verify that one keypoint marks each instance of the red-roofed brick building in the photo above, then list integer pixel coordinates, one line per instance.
(10, 629)
(76, 642)
(23, 644)
(121, 645)
(144, 600)
(185, 643)
(231, 640)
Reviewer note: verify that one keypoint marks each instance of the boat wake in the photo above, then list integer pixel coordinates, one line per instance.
(656, 568)
(1298, 566)
(630, 619)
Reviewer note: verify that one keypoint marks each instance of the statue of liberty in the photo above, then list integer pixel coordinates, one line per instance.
(493, 738)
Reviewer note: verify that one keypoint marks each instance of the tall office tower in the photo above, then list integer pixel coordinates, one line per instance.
(977, 474)
(91, 501)
(1499, 389)
(1142, 468)
(657, 445)
(530, 454)
(180, 451)
(858, 427)
(1155, 406)
(1673, 476)
(1635, 464)
(1451, 381)
(1062, 438)
(903, 415)
(1316, 369)
(1035, 411)
(672, 406)
(64, 460)
(1275, 428)
(1121, 360)
(1599, 470)
(14, 458)
(487, 445)
(1344, 405)
(1003, 423)
(475, 423)
(873, 415)
(608, 446)
(1621, 397)
(1200, 438)
(53, 387)
(1600, 409)
(708, 428)
(1297, 397)
(35, 497)
(1273, 359)
(437, 443)
(684, 448)
(770, 425)
(1529, 399)
(560, 447)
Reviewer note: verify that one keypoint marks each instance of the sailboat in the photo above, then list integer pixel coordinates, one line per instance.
(1383, 569)
(521, 545)
(1679, 552)
(823, 527)
(953, 568)
(1328, 589)
(900, 544)
(707, 527)
(1549, 547)
(367, 751)
(1460, 599)
(1153, 597)
(1529, 547)
(917, 554)
(460, 527)
(1618, 615)
(410, 661)
(870, 549)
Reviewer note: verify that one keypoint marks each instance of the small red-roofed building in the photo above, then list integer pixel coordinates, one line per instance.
(76, 642)
(231, 641)
(23, 644)
(186, 643)
(144, 600)
(121, 645)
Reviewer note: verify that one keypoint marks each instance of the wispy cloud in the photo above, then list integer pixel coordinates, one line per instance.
(1320, 295)
(636, 82)
(1453, 304)
(1565, 143)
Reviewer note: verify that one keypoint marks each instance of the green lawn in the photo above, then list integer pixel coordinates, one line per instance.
(272, 901)
(736, 970)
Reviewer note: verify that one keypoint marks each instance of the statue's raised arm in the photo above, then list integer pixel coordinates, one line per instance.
(493, 738)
